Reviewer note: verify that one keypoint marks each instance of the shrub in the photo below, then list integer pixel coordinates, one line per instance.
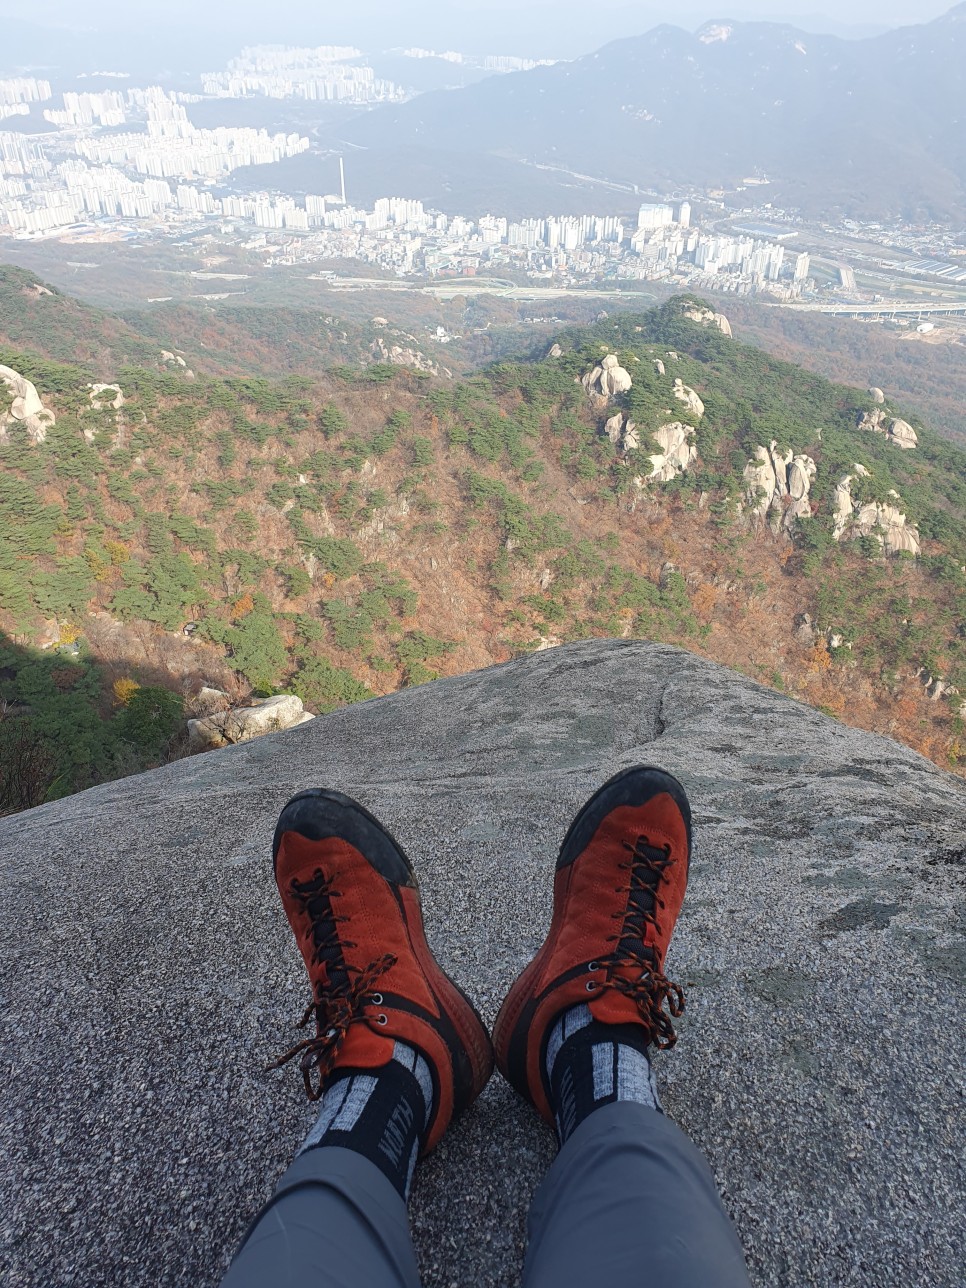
(151, 719)
(332, 421)
(28, 766)
(124, 690)
(325, 687)
(296, 580)
(422, 451)
(257, 649)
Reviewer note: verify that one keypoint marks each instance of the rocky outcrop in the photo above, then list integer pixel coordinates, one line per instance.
(779, 483)
(801, 475)
(24, 406)
(678, 453)
(936, 687)
(172, 359)
(607, 379)
(150, 967)
(614, 428)
(100, 398)
(220, 728)
(707, 317)
(902, 434)
(555, 351)
(843, 502)
(208, 699)
(882, 520)
(877, 396)
(684, 393)
(804, 630)
(623, 432)
(659, 367)
(402, 355)
(899, 432)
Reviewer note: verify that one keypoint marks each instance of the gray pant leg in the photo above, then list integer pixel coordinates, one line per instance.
(630, 1202)
(335, 1221)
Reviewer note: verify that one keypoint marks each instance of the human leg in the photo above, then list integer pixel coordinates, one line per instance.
(629, 1200)
(335, 1221)
(397, 1053)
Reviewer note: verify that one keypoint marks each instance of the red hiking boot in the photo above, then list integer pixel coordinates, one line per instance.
(351, 898)
(620, 883)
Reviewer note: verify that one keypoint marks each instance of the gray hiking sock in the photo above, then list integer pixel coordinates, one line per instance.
(589, 1064)
(382, 1113)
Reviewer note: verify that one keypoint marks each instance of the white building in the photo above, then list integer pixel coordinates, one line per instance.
(492, 230)
(653, 217)
(24, 89)
(846, 278)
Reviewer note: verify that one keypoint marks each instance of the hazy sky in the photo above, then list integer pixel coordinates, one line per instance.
(559, 28)
(477, 14)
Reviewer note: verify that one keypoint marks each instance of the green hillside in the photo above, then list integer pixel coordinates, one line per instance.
(344, 535)
(39, 317)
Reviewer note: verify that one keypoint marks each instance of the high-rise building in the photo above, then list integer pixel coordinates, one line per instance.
(652, 216)
(682, 214)
(803, 263)
(25, 90)
(493, 230)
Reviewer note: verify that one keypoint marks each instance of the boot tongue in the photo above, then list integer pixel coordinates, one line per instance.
(324, 937)
(640, 903)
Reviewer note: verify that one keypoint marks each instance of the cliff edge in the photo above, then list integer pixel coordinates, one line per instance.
(150, 975)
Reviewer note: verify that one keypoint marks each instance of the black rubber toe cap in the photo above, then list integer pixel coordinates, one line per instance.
(634, 786)
(320, 813)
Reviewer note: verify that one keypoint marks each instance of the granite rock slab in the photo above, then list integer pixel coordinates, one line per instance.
(149, 975)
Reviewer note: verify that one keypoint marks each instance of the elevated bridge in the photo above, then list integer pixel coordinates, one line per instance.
(916, 312)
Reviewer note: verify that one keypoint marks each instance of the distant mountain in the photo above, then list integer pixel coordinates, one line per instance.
(871, 127)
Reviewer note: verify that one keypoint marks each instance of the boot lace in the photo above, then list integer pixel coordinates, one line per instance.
(631, 968)
(340, 998)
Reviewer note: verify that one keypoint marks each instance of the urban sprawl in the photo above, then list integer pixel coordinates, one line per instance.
(125, 163)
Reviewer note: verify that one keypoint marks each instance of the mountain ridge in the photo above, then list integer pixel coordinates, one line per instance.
(676, 110)
(375, 527)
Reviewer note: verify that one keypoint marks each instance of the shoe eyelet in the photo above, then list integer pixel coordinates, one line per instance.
(382, 1019)
(375, 999)
(591, 986)
(592, 966)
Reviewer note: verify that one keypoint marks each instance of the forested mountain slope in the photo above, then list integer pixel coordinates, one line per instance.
(342, 536)
(926, 373)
